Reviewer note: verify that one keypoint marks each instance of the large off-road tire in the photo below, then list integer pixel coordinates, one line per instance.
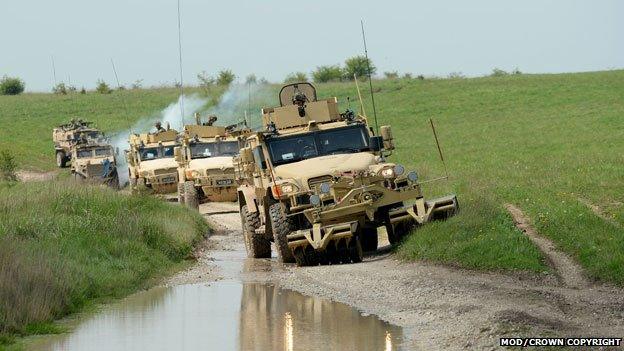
(398, 231)
(281, 227)
(256, 245)
(113, 180)
(181, 193)
(190, 195)
(61, 159)
(369, 239)
(355, 250)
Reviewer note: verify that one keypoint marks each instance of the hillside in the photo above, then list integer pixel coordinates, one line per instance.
(550, 144)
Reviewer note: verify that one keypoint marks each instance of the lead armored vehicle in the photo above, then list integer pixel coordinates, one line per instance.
(205, 165)
(316, 182)
(95, 162)
(151, 162)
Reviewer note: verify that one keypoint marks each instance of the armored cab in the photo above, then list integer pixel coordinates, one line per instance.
(151, 161)
(95, 162)
(205, 162)
(66, 136)
(317, 183)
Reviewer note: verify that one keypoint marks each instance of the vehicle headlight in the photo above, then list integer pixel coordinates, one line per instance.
(145, 174)
(387, 172)
(287, 188)
(324, 188)
(315, 200)
(412, 176)
(192, 174)
(399, 170)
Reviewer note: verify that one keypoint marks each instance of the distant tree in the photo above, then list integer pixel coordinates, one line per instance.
(357, 66)
(324, 74)
(497, 72)
(11, 86)
(102, 87)
(407, 75)
(251, 79)
(296, 77)
(225, 77)
(516, 71)
(60, 89)
(421, 77)
(263, 81)
(83, 91)
(205, 80)
(456, 75)
(391, 75)
(8, 166)
(138, 84)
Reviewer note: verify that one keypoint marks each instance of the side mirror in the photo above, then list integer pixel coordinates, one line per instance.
(178, 155)
(117, 151)
(258, 156)
(388, 139)
(376, 143)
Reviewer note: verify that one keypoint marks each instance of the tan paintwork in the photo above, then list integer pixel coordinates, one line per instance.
(361, 189)
(213, 176)
(158, 174)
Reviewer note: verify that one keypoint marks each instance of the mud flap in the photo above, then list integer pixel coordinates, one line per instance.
(319, 237)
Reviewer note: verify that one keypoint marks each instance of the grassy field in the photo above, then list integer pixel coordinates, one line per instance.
(62, 246)
(541, 142)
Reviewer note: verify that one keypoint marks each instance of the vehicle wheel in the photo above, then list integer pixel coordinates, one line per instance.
(181, 193)
(77, 177)
(257, 245)
(281, 227)
(61, 160)
(369, 239)
(300, 257)
(398, 231)
(355, 249)
(190, 195)
(113, 180)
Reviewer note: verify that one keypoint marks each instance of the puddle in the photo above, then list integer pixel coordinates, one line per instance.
(226, 315)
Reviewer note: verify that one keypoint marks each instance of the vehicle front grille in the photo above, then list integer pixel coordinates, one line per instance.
(95, 170)
(164, 171)
(312, 182)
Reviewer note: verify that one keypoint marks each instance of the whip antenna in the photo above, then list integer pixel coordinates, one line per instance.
(180, 61)
(53, 70)
(435, 135)
(370, 79)
(123, 100)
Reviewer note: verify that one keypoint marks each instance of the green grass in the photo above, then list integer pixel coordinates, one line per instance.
(538, 141)
(63, 246)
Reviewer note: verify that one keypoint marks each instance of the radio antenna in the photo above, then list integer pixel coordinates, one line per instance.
(435, 135)
(53, 70)
(180, 62)
(370, 78)
(357, 86)
(123, 100)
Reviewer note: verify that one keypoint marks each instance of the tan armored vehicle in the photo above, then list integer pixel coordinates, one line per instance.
(205, 165)
(151, 161)
(316, 182)
(67, 135)
(95, 162)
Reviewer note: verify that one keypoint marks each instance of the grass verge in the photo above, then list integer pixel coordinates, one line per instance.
(62, 246)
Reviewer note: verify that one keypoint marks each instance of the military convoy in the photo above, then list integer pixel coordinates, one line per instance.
(205, 167)
(89, 152)
(151, 162)
(316, 183)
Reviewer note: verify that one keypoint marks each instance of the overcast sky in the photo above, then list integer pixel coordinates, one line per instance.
(274, 38)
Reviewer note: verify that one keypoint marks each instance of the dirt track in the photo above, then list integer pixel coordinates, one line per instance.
(438, 307)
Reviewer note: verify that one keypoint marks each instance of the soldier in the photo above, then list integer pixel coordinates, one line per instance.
(300, 99)
(159, 127)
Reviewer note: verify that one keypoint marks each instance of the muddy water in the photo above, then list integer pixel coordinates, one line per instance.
(227, 315)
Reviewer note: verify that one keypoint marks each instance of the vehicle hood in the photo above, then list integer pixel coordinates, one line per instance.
(325, 165)
(219, 162)
(160, 163)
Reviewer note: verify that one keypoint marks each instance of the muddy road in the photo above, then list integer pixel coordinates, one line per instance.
(394, 305)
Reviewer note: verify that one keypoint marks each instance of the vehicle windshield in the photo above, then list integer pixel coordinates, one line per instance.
(290, 149)
(222, 148)
(152, 153)
(84, 153)
(103, 152)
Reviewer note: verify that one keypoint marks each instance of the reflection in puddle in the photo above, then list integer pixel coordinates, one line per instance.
(226, 316)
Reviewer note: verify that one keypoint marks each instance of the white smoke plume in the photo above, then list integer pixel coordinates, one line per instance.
(230, 110)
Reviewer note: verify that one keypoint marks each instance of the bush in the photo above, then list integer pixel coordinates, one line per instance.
(407, 76)
(11, 86)
(325, 74)
(83, 91)
(205, 80)
(358, 66)
(225, 77)
(516, 71)
(138, 84)
(497, 72)
(456, 75)
(60, 89)
(251, 79)
(296, 77)
(103, 88)
(8, 166)
(391, 75)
